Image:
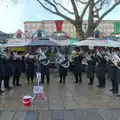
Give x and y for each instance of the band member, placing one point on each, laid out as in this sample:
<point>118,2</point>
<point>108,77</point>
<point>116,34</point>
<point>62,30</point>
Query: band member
<point>23,69</point>
<point>91,67</point>
<point>44,66</point>
<point>30,67</point>
<point>77,65</point>
<point>1,73</point>
<point>63,66</point>
<point>8,72</point>
<point>113,75</point>
<point>16,60</point>
<point>101,70</point>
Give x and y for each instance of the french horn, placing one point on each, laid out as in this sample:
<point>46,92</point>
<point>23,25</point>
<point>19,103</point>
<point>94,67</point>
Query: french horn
<point>62,60</point>
<point>42,57</point>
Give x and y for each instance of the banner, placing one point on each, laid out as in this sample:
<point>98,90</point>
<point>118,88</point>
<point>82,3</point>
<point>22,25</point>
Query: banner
<point>59,24</point>
<point>117,27</point>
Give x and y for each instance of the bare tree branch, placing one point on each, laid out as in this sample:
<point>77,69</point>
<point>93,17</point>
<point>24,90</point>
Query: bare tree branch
<point>85,9</point>
<point>82,1</point>
<point>75,9</point>
<point>56,11</point>
<point>108,11</point>
<point>63,7</point>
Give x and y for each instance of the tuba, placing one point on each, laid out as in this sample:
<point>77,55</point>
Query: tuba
<point>42,58</point>
<point>62,60</point>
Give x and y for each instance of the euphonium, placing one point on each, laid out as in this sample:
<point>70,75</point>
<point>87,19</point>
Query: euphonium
<point>42,58</point>
<point>115,59</point>
<point>62,60</point>
<point>88,57</point>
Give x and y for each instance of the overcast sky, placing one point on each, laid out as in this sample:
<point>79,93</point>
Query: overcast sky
<point>12,17</point>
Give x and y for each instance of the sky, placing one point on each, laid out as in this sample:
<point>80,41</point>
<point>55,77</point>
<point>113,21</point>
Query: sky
<point>13,16</point>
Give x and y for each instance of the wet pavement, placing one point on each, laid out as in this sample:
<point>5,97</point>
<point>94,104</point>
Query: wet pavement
<point>68,101</point>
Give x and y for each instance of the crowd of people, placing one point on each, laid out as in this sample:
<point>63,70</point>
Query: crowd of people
<point>14,65</point>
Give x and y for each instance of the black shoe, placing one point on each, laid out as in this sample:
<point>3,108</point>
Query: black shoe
<point>9,87</point>
<point>60,81</point>
<point>63,82</point>
<point>1,91</point>
<point>90,83</point>
<point>102,86</point>
<point>76,82</point>
<point>99,86</point>
<point>48,82</point>
<point>114,92</point>
<point>111,90</point>
<point>18,85</point>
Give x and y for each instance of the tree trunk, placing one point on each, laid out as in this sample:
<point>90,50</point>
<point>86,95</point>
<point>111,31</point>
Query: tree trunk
<point>79,31</point>
<point>91,25</point>
<point>90,31</point>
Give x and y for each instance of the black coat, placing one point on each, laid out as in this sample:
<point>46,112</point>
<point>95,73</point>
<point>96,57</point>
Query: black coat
<point>77,64</point>
<point>8,69</point>
<point>1,69</point>
<point>113,71</point>
<point>118,75</point>
<point>17,68</point>
<point>101,68</point>
<point>91,68</point>
<point>30,67</point>
<point>62,71</point>
<point>23,69</point>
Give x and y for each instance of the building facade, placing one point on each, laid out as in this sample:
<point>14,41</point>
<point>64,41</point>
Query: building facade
<point>49,26</point>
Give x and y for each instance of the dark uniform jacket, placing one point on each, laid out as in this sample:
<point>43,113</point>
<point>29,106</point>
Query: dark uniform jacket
<point>101,67</point>
<point>77,64</point>
<point>63,70</point>
<point>1,69</point>
<point>91,67</point>
<point>30,67</point>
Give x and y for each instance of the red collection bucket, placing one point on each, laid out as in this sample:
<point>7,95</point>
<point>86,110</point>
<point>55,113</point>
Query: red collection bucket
<point>27,100</point>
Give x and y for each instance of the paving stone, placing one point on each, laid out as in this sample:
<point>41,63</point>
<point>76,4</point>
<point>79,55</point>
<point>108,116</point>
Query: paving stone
<point>41,105</point>
<point>70,115</point>
<point>19,116</point>
<point>115,113</point>
<point>94,115</point>
<point>32,116</point>
<point>7,115</point>
<point>106,115</point>
<point>57,115</point>
<point>45,115</point>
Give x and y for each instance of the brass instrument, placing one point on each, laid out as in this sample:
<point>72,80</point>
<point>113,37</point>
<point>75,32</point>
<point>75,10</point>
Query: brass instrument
<point>62,60</point>
<point>42,57</point>
<point>16,56</point>
<point>88,56</point>
<point>115,59</point>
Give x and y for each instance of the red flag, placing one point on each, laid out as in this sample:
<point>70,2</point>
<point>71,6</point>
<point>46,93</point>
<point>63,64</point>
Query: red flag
<point>59,24</point>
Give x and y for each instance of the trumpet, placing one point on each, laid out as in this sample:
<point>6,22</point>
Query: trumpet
<point>42,58</point>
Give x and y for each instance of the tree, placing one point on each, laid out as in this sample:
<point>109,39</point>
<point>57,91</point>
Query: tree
<point>95,7</point>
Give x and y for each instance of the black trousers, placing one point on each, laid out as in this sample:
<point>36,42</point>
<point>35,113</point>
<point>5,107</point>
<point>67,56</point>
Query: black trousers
<point>114,85</point>
<point>43,76</point>
<point>91,80</point>
<point>0,84</point>
<point>102,81</point>
<point>16,80</point>
<point>6,82</point>
<point>30,77</point>
<point>62,78</point>
<point>78,77</point>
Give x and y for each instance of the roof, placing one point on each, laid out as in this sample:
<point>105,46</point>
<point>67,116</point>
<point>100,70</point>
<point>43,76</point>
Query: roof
<point>43,43</point>
<point>2,32</point>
